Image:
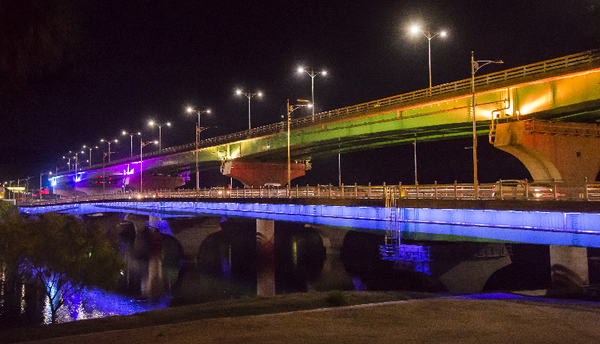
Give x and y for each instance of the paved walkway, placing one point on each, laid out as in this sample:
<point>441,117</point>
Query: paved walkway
<point>450,320</point>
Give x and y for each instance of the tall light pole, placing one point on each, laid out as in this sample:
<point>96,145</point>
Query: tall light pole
<point>475,66</point>
<point>290,109</point>
<point>109,142</point>
<point>131,135</point>
<point>76,157</point>
<point>248,95</point>
<point>142,145</point>
<point>415,29</point>
<point>90,148</point>
<point>312,75</point>
<point>159,125</point>
<point>198,131</point>
<point>68,162</point>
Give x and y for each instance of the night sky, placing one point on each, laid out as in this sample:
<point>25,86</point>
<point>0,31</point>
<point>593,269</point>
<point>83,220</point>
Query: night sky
<point>73,72</point>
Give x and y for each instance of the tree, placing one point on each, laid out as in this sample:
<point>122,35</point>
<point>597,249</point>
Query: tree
<point>62,255</point>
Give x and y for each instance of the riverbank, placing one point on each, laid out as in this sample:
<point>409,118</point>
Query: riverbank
<point>244,306</point>
<point>370,317</point>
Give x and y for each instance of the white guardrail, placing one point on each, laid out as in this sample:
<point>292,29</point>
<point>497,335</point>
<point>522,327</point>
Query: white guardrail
<point>501,190</point>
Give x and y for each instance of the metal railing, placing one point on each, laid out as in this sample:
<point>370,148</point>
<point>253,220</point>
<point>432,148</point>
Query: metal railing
<point>486,79</point>
<point>501,190</point>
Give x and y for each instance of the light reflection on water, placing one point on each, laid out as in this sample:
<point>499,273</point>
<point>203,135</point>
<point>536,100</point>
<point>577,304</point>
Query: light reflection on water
<point>228,266</point>
<point>92,303</point>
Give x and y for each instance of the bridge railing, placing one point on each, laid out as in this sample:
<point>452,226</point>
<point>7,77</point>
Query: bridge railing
<point>487,79</point>
<point>499,191</point>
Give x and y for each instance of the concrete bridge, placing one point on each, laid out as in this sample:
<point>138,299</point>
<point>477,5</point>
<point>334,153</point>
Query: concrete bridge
<point>513,108</point>
<point>191,217</point>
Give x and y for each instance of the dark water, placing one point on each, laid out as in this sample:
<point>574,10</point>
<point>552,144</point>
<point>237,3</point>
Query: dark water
<point>228,265</point>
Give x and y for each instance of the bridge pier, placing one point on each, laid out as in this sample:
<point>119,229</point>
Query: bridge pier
<point>553,151</point>
<point>569,268</point>
<point>265,264</point>
<point>471,274</point>
<point>191,233</point>
<point>333,274</point>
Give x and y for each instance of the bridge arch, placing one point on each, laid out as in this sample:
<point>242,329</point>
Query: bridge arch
<point>553,151</point>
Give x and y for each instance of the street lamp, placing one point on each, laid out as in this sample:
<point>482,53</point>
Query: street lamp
<point>90,148</point>
<point>249,96</point>
<point>131,135</point>
<point>142,145</point>
<point>475,66</point>
<point>415,29</point>
<point>198,131</point>
<point>76,157</point>
<point>68,162</point>
<point>290,109</point>
<point>312,75</point>
<point>159,125</point>
<point>109,142</point>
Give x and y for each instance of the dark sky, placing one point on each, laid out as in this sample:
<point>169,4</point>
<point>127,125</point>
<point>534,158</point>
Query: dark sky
<point>73,72</point>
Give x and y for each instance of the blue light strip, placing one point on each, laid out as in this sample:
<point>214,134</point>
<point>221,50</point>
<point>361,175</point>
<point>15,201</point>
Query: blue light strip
<point>549,228</point>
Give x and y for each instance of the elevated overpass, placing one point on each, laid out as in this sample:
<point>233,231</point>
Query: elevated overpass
<point>565,89</point>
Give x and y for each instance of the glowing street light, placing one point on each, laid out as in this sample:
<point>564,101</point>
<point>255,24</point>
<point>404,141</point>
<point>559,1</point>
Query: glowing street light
<point>131,135</point>
<point>198,131</point>
<point>90,148</point>
<point>415,29</point>
<point>76,157</point>
<point>249,96</point>
<point>290,109</point>
<point>68,162</point>
<point>475,66</point>
<point>109,142</point>
<point>159,125</point>
<point>312,75</point>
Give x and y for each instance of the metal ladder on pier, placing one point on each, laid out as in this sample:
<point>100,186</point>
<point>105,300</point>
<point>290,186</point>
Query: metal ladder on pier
<point>403,255</point>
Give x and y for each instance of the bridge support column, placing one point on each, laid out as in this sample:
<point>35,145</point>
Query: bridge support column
<point>141,247</point>
<point>333,275</point>
<point>191,233</point>
<point>257,174</point>
<point>471,274</point>
<point>553,151</point>
<point>569,268</point>
<point>265,265</point>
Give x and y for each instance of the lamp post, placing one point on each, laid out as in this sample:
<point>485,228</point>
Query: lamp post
<point>131,135</point>
<point>475,66</point>
<point>290,109</point>
<point>416,29</point>
<point>312,75</point>
<point>142,145</point>
<point>90,148</point>
<point>68,162</point>
<point>109,142</point>
<point>76,159</point>
<point>198,131</point>
<point>159,125</point>
<point>248,95</point>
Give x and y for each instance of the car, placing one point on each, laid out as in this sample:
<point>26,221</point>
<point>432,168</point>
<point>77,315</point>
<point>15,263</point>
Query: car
<point>509,188</point>
<point>516,189</point>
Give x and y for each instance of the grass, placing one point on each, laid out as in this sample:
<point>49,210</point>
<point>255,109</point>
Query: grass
<point>218,309</point>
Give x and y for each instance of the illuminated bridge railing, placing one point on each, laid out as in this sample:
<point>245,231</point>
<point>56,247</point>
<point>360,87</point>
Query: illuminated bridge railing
<point>487,79</point>
<point>506,190</point>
